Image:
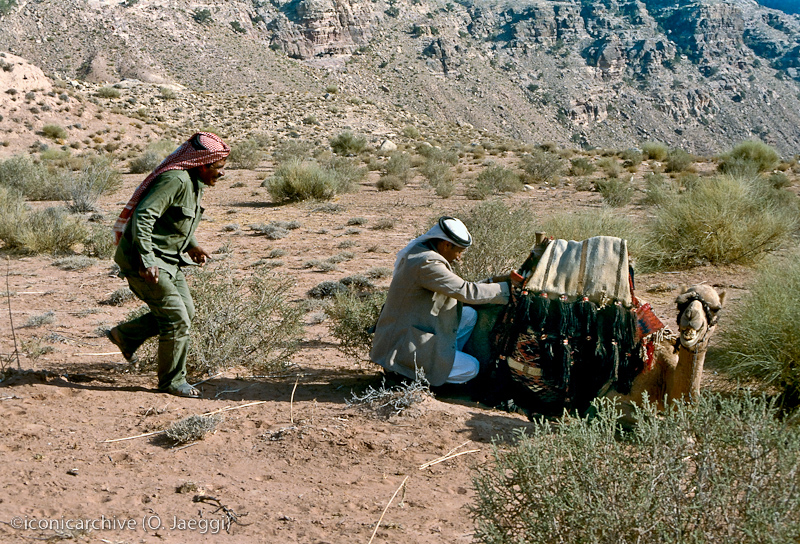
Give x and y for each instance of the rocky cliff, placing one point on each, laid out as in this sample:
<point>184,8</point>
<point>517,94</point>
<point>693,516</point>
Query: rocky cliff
<point>701,74</point>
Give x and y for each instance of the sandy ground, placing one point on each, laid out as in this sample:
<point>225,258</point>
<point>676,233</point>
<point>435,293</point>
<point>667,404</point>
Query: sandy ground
<point>300,465</point>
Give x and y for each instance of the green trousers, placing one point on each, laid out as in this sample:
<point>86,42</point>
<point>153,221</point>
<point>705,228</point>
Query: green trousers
<point>170,317</point>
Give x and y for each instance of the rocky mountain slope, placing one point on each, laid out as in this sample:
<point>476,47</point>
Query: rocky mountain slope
<point>700,74</point>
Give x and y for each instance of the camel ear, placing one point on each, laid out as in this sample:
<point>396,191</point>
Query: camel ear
<point>721,298</point>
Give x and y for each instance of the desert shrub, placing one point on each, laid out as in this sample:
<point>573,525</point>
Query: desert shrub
<point>724,470</point>
<point>631,158</point>
<point>760,341</point>
<point>385,402</point>
<point>54,132</point>
<point>721,220</point>
<point>13,213</point>
<point>192,428</point>
<point>678,160</point>
<point>346,143</point>
<point>389,182</point>
<point>36,321</point>
<point>748,157</point>
<point>292,149</point>
<point>34,180</point>
<point>493,180</point>
<point>347,175</point>
<point>152,157</point>
<point>99,242</point>
<point>439,176</point>
<point>242,322</point>
<point>5,8</point>
<point>108,92</point>
<point>610,166</point>
<point>411,132</point>
<point>399,164</point>
<point>297,180</point>
<point>541,166</point>
<point>202,16</point>
<point>502,239</point>
<point>50,230</point>
<point>74,262</point>
<point>658,189</point>
<point>352,314</point>
<point>96,178</point>
<point>245,155</point>
<point>585,224</point>
<point>655,151</point>
<point>616,191</point>
<point>779,180</point>
<point>581,167</point>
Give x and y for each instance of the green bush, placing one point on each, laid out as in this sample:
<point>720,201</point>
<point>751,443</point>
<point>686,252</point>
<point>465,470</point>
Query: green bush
<point>631,158</point>
<point>436,154</point>
<point>748,157</point>
<point>347,143</point>
<point>720,220</point>
<point>54,132</point>
<point>655,151</point>
<point>390,182</point>
<point>724,471</point>
<point>108,92</point>
<point>678,160</point>
<point>581,167</point>
<point>346,173</point>
<point>541,166</point>
<point>96,178</point>
<point>610,166</point>
<point>34,180</point>
<point>52,231</point>
<point>658,189</point>
<point>399,164</point>
<point>244,322</point>
<point>6,6</point>
<point>760,340</point>
<point>99,242</point>
<point>152,157</point>
<point>297,180</point>
<point>502,239</point>
<point>439,176</point>
<point>616,191</point>
<point>352,314</point>
<point>13,214</point>
<point>292,149</point>
<point>493,180</point>
<point>245,155</point>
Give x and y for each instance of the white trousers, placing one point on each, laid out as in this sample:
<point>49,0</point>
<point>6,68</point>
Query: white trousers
<point>465,366</point>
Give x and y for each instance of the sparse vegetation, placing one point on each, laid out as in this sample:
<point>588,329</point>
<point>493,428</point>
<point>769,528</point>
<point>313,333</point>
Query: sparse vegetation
<point>385,402</point>
<point>721,471</point>
<point>32,179</point>
<point>96,178</point>
<point>721,220</point>
<point>352,314</point>
<point>541,166</point>
<point>760,341</point>
<point>192,428</point>
<point>655,151</point>
<point>54,132</point>
<point>493,180</point>
<point>297,180</point>
<point>616,191</point>
<point>748,159</point>
<point>347,143</point>
<point>242,322</point>
<point>678,160</point>
<point>245,155</point>
<point>502,239</point>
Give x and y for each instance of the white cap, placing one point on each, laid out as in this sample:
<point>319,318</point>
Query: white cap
<point>456,231</point>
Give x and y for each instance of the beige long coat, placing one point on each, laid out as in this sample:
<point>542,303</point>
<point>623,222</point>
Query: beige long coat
<point>418,324</point>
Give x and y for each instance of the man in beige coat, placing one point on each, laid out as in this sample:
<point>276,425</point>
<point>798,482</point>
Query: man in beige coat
<point>424,323</point>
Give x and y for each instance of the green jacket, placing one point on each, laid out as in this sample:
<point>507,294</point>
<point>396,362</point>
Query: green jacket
<point>162,226</point>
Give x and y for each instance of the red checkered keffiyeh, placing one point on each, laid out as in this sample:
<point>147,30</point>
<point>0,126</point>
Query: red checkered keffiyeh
<point>202,148</point>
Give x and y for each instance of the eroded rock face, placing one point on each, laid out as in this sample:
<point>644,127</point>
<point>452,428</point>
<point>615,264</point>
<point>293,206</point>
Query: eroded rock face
<point>309,28</point>
<point>16,73</point>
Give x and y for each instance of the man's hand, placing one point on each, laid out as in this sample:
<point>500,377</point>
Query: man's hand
<point>149,275</point>
<point>198,255</point>
<point>512,278</point>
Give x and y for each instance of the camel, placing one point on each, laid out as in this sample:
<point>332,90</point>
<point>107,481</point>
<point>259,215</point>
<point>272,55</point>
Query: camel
<point>678,361</point>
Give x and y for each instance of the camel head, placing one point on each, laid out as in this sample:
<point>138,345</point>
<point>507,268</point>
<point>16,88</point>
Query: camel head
<point>698,307</point>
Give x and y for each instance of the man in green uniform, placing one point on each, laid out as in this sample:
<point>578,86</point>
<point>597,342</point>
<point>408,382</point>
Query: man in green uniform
<point>155,234</point>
